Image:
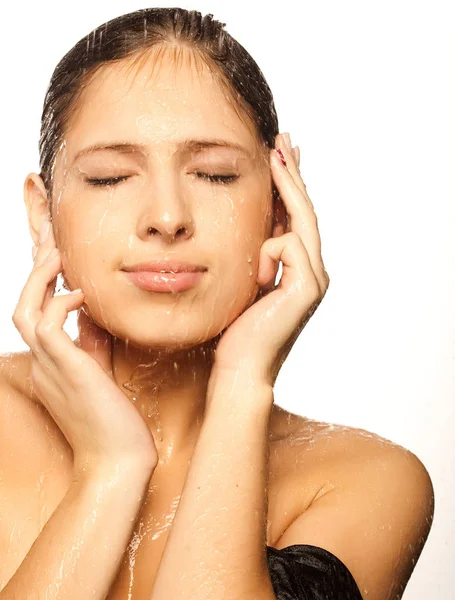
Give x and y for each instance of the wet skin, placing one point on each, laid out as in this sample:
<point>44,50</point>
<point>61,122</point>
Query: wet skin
<point>307,459</point>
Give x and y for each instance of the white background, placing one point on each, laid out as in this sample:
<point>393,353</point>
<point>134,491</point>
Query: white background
<point>364,90</point>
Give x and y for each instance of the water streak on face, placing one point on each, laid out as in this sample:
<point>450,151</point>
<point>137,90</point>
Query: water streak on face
<point>189,180</point>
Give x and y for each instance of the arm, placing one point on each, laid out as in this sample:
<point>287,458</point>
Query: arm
<point>79,550</point>
<point>375,517</point>
<point>217,544</point>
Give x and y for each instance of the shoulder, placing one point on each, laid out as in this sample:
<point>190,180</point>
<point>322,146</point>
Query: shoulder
<point>340,449</point>
<point>15,372</point>
<point>15,382</point>
<point>374,506</point>
<point>340,456</point>
<point>30,437</point>
<point>20,409</point>
<point>354,455</point>
<point>17,422</point>
<point>18,402</point>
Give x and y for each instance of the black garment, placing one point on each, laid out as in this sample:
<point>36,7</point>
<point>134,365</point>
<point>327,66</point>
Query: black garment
<point>304,572</point>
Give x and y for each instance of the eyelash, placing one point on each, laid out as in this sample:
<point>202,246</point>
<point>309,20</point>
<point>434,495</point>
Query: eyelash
<point>220,179</point>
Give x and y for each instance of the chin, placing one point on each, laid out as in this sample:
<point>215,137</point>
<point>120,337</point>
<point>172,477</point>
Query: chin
<point>163,338</point>
<point>167,324</point>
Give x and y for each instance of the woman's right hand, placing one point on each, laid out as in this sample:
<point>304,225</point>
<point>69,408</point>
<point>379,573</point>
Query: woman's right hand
<point>76,385</point>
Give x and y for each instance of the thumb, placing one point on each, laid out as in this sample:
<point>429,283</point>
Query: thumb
<point>95,340</point>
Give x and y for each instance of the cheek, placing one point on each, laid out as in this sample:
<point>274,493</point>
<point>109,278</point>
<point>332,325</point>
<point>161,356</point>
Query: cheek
<point>247,226</point>
<point>86,236</point>
<point>85,253</point>
<point>81,268</point>
<point>235,288</point>
<point>237,249</point>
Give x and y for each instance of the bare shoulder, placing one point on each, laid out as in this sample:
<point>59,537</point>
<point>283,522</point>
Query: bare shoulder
<point>15,371</point>
<point>30,437</point>
<point>333,443</point>
<point>19,406</point>
<point>15,391</point>
<point>373,504</point>
<point>34,462</point>
<point>318,456</point>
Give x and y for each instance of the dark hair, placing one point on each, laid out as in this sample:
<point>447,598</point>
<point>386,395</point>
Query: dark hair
<point>135,33</point>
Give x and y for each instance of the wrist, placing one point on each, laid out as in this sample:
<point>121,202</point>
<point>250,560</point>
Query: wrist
<point>236,389</point>
<point>112,468</point>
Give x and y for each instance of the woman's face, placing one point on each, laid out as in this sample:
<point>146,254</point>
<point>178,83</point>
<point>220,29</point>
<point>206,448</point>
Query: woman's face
<point>165,208</point>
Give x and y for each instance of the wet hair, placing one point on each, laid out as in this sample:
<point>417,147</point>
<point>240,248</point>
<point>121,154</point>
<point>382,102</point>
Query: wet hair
<point>131,36</point>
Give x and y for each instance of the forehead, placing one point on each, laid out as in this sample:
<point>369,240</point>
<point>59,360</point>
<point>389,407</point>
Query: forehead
<point>168,93</point>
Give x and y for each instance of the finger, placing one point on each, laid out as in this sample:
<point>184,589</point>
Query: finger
<point>291,162</point>
<point>294,156</point>
<point>29,308</point>
<point>49,294</point>
<point>297,154</point>
<point>298,291</point>
<point>292,165</point>
<point>46,243</point>
<point>270,285</point>
<point>50,335</point>
<point>42,252</point>
<point>292,196</point>
<point>303,219</point>
<point>95,340</point>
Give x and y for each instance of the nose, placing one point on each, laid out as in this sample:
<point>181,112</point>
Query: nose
<point>166,213</point>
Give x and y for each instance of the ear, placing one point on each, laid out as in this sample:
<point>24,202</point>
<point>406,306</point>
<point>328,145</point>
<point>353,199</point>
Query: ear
<point>280,220</point>
<point>36,203</point>
<point>279,227</point>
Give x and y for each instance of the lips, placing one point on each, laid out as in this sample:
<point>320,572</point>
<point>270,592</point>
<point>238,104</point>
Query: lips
<point>165,275</point>
<point>166,266</point>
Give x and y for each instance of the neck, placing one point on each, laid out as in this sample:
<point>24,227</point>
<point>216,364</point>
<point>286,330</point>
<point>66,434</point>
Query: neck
<point>168,388</point>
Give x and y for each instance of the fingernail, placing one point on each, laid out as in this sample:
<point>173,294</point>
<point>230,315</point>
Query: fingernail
<point>287,141</point>
<point>44,231</point>
<point>280,154</point>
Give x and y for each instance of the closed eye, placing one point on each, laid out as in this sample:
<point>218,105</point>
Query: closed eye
<point>106,182</point>
<point>218,178</point>
<point>111,181</point>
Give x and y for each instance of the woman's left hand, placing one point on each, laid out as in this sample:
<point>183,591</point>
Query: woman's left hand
<point>254,347</point>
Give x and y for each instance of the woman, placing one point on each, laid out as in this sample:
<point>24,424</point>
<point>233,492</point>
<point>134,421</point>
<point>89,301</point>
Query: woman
<point>171,473</point>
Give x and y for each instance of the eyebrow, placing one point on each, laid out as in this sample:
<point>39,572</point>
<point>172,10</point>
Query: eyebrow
<point>188,145</point>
